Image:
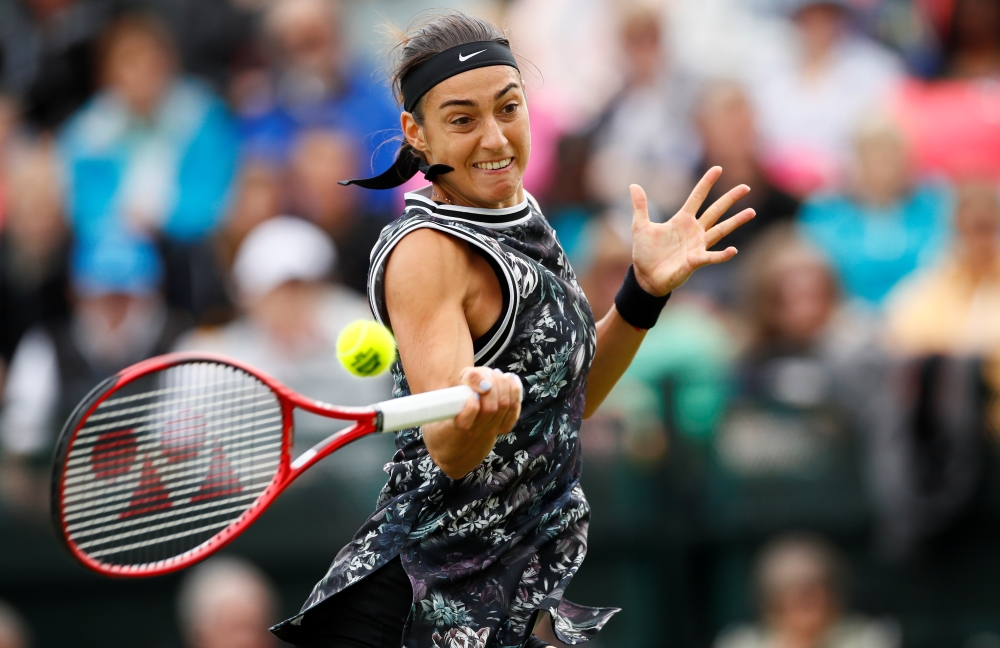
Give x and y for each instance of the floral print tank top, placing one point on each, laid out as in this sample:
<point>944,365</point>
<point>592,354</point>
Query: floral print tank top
<point>485,554</point>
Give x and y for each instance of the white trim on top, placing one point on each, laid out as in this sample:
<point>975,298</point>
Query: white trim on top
<point>423,194</point>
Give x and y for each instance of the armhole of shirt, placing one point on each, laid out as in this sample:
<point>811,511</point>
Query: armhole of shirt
<point>491,344</point>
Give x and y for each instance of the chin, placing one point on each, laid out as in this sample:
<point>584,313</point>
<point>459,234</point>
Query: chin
<point>501,192</point>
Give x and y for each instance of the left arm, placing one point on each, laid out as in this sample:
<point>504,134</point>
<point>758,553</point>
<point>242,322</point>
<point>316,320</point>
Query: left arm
<point>663,256</point>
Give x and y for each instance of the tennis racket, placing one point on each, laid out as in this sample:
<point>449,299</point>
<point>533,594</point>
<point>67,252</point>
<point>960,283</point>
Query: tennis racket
<point>172,458</point>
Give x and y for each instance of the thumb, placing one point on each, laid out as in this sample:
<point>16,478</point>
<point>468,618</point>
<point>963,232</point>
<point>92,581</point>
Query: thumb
<point>640,206</point>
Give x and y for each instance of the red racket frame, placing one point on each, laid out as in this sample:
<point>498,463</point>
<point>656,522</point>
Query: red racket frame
<point>365,418</point>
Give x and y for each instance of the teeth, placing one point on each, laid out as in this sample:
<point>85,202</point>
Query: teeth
<point>493,166</point>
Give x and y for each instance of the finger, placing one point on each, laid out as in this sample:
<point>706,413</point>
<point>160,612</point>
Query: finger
<point>488,404</point>
<point>712,258</point>
<point>700,191</point>
<point>504,395</point>
<point>514,412</point>
<point>477,379</point>
<point>518,387</point>
<point>640,206</point>
<point>467,417</point>
<point>722,205</point>
<point>480,379</point>
<point>728,226</point>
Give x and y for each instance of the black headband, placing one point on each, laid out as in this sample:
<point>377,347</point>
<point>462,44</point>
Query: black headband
<point>450,62</point>
<point>416,84</point>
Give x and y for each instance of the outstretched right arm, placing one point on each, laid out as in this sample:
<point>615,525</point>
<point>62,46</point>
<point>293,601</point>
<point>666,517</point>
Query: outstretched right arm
<point>439,295</point>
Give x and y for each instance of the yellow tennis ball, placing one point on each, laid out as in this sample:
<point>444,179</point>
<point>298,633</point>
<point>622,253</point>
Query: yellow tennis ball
<point>366,348</point>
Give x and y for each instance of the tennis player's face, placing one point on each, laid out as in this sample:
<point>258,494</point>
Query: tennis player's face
<point>477,123</point>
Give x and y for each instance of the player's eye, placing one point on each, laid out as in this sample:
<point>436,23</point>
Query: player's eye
<point>510,108</point>
<point>461,121</point>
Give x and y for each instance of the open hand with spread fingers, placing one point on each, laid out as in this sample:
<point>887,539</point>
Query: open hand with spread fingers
<point>665,254</point>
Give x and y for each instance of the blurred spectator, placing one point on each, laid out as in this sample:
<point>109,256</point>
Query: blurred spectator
<point>292,317</point>
<point>810,98</point>
<point>118,318</point>
<point>215,37</point>
<point>33,246</point>
<point>257,196</point>
<point>807,370</point>
<point>927,456</point>
<point>886,225</point>
<point>644,134</point>
<point>907,27</point>
<point>954,307</point>
<point>800,589</point>
<point>317,85</point>
<point>729,139</point>
<point>13,630</point>
<point>46,55</point>
<point>226,602</point>
<point>574,70</point>
<point>319,159</point>
<point>952,124</point>
<point>152,152</point>
<point>9,125</point>
<point>728,127</point>
<point>952,127</point>
<point>972,44</point>
<point>680,373</point>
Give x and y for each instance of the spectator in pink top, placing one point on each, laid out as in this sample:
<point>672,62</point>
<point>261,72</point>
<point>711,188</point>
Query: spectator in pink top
<point>952,123</point>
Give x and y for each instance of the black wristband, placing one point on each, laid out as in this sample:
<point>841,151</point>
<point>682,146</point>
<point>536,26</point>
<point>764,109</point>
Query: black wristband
<point>635,305</point>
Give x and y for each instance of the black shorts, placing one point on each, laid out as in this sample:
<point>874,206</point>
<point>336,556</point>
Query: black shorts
<point>369,614</point>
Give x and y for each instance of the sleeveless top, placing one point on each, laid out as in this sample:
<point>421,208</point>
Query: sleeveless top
<point>486,553</point>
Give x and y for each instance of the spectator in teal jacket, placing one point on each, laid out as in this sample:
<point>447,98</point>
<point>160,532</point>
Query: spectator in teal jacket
<point>886,225</point>
<point>153,153</point>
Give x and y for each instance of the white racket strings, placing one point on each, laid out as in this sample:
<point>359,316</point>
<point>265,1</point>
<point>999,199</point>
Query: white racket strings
<point>167,462</point>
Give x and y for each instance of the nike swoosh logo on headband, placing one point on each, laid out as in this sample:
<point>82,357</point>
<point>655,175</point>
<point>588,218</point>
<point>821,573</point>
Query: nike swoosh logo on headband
<point>463,59</point>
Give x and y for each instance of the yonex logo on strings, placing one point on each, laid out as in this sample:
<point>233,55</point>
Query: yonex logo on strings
<point>463,59</point>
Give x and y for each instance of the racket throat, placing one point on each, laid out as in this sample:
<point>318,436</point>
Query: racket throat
<point>335,441</point>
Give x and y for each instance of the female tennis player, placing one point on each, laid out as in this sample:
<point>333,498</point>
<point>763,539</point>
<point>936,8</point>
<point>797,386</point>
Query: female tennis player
<point>482,523</point>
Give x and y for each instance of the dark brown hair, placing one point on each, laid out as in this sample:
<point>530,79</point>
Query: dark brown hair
<point>432,36</point>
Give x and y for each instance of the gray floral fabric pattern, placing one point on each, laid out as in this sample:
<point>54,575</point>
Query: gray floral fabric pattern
<point>486,553</point>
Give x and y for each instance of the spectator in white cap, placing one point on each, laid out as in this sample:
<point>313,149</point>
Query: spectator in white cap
<point>291,316</point>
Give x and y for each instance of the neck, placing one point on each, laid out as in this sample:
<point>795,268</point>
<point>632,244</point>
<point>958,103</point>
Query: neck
<point>441,193</point>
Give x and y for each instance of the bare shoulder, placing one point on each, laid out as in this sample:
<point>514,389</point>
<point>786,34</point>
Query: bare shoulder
<point>429,263</point>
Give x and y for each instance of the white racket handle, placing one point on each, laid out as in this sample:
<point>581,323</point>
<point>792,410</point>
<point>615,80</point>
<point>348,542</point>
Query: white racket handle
<point>411,411</point>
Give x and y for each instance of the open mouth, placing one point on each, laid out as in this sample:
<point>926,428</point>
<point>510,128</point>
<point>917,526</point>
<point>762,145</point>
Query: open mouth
<point>494,166</point>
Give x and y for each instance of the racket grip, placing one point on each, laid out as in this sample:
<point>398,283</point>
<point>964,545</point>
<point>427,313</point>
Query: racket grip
<point>411,411</point>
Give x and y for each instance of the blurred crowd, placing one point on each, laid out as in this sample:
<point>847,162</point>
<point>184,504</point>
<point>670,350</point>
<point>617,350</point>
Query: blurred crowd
<point>168,180</point>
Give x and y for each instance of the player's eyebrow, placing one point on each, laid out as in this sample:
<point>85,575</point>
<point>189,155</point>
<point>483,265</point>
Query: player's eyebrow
<point>510,86</point>
<point>459,102</point>
<point>470,103</point>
